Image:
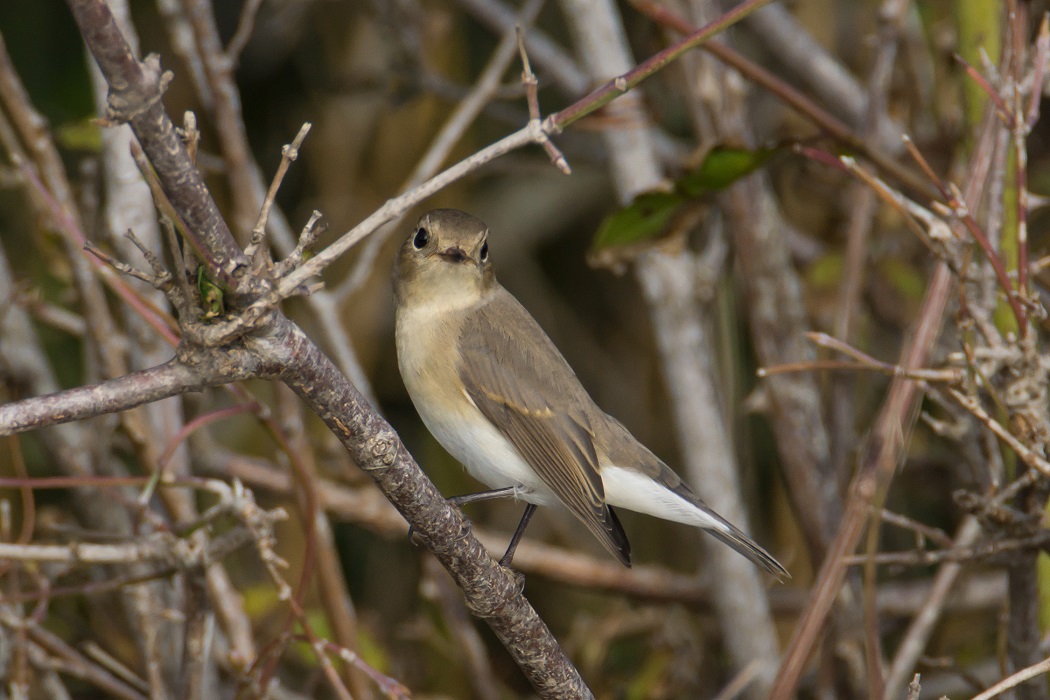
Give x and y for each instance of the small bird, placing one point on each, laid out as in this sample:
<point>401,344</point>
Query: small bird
<point>499,397</point>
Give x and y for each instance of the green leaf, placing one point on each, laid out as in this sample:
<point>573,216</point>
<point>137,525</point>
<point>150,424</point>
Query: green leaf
<point>722,167</point>
<point>211,295</point>
<point>657,217</point>
<point>643,220</point>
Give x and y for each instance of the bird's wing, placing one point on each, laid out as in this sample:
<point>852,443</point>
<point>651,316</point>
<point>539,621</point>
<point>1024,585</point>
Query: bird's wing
<point>533,398</point>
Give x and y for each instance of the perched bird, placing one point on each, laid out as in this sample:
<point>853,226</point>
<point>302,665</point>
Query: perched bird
<point>495,392</point>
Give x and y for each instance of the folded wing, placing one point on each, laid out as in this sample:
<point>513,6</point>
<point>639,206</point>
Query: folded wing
<point>535,400</point>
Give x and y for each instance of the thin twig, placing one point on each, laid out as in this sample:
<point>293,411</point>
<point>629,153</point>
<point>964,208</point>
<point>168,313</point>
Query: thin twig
<point>790,96</point>
<point>289,154</point>
<point>528,79</point>
<point>450,133</point>
<point>1028,456</point>
<point>531,133</point>
<point>1015,680</point>
<point>914,641</point>
<point>608,92</point>
<point>960,209</point>
<point>245,25</point>
<point>120,266</point>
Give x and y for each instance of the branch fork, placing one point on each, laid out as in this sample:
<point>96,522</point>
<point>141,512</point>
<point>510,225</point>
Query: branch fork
<point>133,99</point>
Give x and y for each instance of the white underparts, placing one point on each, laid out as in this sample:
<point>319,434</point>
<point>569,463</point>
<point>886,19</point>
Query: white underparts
<point>635,491</point>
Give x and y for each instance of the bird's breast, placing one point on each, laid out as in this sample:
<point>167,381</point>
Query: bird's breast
<point>428,358</point>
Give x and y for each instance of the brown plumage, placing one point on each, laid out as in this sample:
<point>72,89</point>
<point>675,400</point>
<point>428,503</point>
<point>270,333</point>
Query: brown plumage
<point>497,394</point>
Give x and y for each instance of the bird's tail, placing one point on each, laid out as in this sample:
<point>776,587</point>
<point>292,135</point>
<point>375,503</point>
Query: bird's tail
<point>650,486</point>
<point>747,546</point>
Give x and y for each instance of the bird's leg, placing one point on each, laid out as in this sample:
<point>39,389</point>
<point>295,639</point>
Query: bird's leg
<point>526,516</point>
<point>460,501</point>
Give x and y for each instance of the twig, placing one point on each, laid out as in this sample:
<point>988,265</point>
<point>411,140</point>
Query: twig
<point>136,99</point>
<point>450,133</point>
<point>531,133</point>
<point>242,172</point>
<point>558,64</point>
<point>1042,55</point>
<point>390,687</point>
<point>1028,456</point>
<point>528,79</point>
<point>1002,111</point>
<point>313,229</point>
<point>1025,674</point>
<point>914,688</point>
<point>958,553</point>
<point>243,34</point>
<point>598,98</point>
<point>197,423</point>
<point>960,209</point>
<point>114,395</point>
<point>80,667</point>
<point>740,682</point>
<point>289,154</point>
<point>122,267</point>
<point>921,530</point>
<point>790,96</point>
<point>950,375</point>
<point>921,627</point>
<point>52,315</point>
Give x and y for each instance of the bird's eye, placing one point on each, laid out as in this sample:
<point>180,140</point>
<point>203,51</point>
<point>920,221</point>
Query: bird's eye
<point>421,239</point>
<point>484,251</point>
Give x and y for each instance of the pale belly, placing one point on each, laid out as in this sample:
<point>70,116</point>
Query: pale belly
<point>486,454</point>
<point>452,418</point>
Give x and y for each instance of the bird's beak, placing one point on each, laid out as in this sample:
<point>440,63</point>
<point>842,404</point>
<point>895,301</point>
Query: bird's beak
<point>453,255</point>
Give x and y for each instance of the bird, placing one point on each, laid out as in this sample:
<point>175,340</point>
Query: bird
<point>492,388</point>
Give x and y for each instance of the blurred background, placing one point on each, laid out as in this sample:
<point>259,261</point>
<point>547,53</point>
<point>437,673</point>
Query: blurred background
<point>378,80</point>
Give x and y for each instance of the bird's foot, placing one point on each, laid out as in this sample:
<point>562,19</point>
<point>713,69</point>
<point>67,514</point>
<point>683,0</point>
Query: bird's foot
<point>519,578</point>
<point>413,536</point>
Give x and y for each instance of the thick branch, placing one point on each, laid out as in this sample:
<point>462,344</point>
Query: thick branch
<point>492,592</point>
<point>135,96</point>
<point>115,395</point>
